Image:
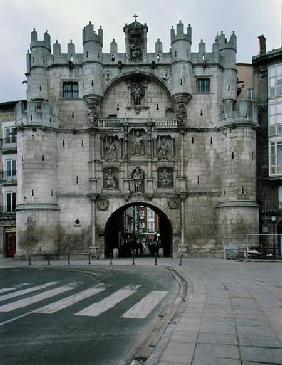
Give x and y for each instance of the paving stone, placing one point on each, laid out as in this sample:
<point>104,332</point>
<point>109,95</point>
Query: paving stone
<point>260,341</point>
<point>177,352</point>
<point>215,338</point>
<point>212,354</point>
<point>255,331</point>
<point>261,354</point>
<point>219,328</point>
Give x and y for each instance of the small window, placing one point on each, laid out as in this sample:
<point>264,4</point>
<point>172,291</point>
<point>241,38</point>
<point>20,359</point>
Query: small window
<point>11,170</point>
<point>10,135</point>
<point>11,202</point>
<point>203,85</point>
<point>70,90</point>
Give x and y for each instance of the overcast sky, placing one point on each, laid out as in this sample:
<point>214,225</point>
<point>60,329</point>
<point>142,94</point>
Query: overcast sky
<point>64,20</point>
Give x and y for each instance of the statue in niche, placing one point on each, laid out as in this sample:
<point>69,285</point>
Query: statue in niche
<point>137,92</point>
<point>135,51</point>
<point>110,180</point>
<point>163,148</point>
<point>139,147</point>
<point>165,178</point>
<point>138,177</point>
<point>111,149</point>
<point>137,142</point>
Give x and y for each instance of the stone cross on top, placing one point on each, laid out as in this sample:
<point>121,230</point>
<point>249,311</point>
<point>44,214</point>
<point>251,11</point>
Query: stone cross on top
<point>135,16</point>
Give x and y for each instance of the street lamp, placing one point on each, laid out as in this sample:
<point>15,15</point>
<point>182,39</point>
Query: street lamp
<point>273,219</point>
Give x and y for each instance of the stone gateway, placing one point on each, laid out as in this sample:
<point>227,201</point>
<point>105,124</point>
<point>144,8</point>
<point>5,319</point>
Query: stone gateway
<point>106,131</point>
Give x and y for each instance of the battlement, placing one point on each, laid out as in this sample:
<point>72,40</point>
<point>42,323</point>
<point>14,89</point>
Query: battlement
<point>45,43</point>
<point>89,34</point>
<point>180,35</point>
<point>223,43</point>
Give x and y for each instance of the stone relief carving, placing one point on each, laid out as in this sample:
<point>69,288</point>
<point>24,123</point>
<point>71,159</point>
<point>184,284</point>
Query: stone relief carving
<point>103,204</point>
<point>137,142</point>
<point>110,178</point>
<point>111,148</point>
<point>180,102</point>
<point>164,147</point>
<point>173,203</point>
<point>165,177</point>
<point>93,104</point>
<point>138,177</point>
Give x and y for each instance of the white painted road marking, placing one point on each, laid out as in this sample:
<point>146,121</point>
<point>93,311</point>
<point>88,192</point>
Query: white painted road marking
<point>4,290</point>
<point>25,291</point>
<point>35,298</point>
<point>68,301</point>
<point>145,305</point>
<point>109,302</point>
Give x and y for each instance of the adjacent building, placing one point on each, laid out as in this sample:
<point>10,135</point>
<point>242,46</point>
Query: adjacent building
<point>8,187</point>
<point>268,96</point>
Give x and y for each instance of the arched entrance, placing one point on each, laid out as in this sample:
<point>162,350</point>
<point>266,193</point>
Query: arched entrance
<point>139,227</point>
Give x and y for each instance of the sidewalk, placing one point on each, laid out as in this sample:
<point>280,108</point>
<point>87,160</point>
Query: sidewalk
<point>232,314</point>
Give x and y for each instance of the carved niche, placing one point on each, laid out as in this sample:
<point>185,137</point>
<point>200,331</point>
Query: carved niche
<point>137,93</point>
<point>165,177</point>
<point>164,147</point>
<point>137,142</point>
<point>136,33</point>
<point>110,178</point>
<point>111,148</point>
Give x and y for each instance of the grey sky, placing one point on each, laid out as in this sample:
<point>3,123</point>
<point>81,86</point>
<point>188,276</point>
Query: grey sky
<point>64,20</point>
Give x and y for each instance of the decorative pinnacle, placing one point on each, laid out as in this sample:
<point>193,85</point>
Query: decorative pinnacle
<point>135,16</point>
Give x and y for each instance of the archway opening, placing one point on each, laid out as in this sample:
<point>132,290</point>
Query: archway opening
<point>138,228</point>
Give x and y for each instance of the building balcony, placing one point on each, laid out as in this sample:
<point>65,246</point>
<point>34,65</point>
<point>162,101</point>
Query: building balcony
<point>119,122</point>
<point>8,177</point>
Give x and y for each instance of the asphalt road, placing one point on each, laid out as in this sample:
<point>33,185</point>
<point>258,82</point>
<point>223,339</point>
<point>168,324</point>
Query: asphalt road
<point>73,316</point>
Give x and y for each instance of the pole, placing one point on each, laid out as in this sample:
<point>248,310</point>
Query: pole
<point>49,260</point>
<point>89,258</point>
<point>156,259</point>
<point>29,258</point>
<point>180,261</point>
<point>111,258</point>
<point>69,255</point>
<point>133,261</point>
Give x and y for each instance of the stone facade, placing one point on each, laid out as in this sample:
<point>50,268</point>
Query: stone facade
<point>163,129</point>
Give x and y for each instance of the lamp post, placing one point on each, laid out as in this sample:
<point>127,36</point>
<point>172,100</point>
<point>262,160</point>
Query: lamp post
<point>273,219</point>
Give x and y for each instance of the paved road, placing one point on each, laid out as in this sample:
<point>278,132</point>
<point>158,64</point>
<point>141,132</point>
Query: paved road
<point>232,314</point>
<point>71,316</point>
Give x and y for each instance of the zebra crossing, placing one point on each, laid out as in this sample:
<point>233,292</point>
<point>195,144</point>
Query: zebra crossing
<point>16,298</point>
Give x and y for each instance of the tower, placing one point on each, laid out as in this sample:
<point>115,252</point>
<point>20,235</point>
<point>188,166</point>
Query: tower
<point>37,210</point>
<point>92,67</point>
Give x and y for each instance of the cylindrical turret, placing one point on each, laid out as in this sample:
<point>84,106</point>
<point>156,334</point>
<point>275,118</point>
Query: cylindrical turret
<point>158,47</point>
<point>56,49</point>
<point>71,50</point>
<point>113,47</point>
<point>92,66</point>
<point>37,209</point>
<point>181,68</point>
<point>37,78</point>
<point>227,52</point>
